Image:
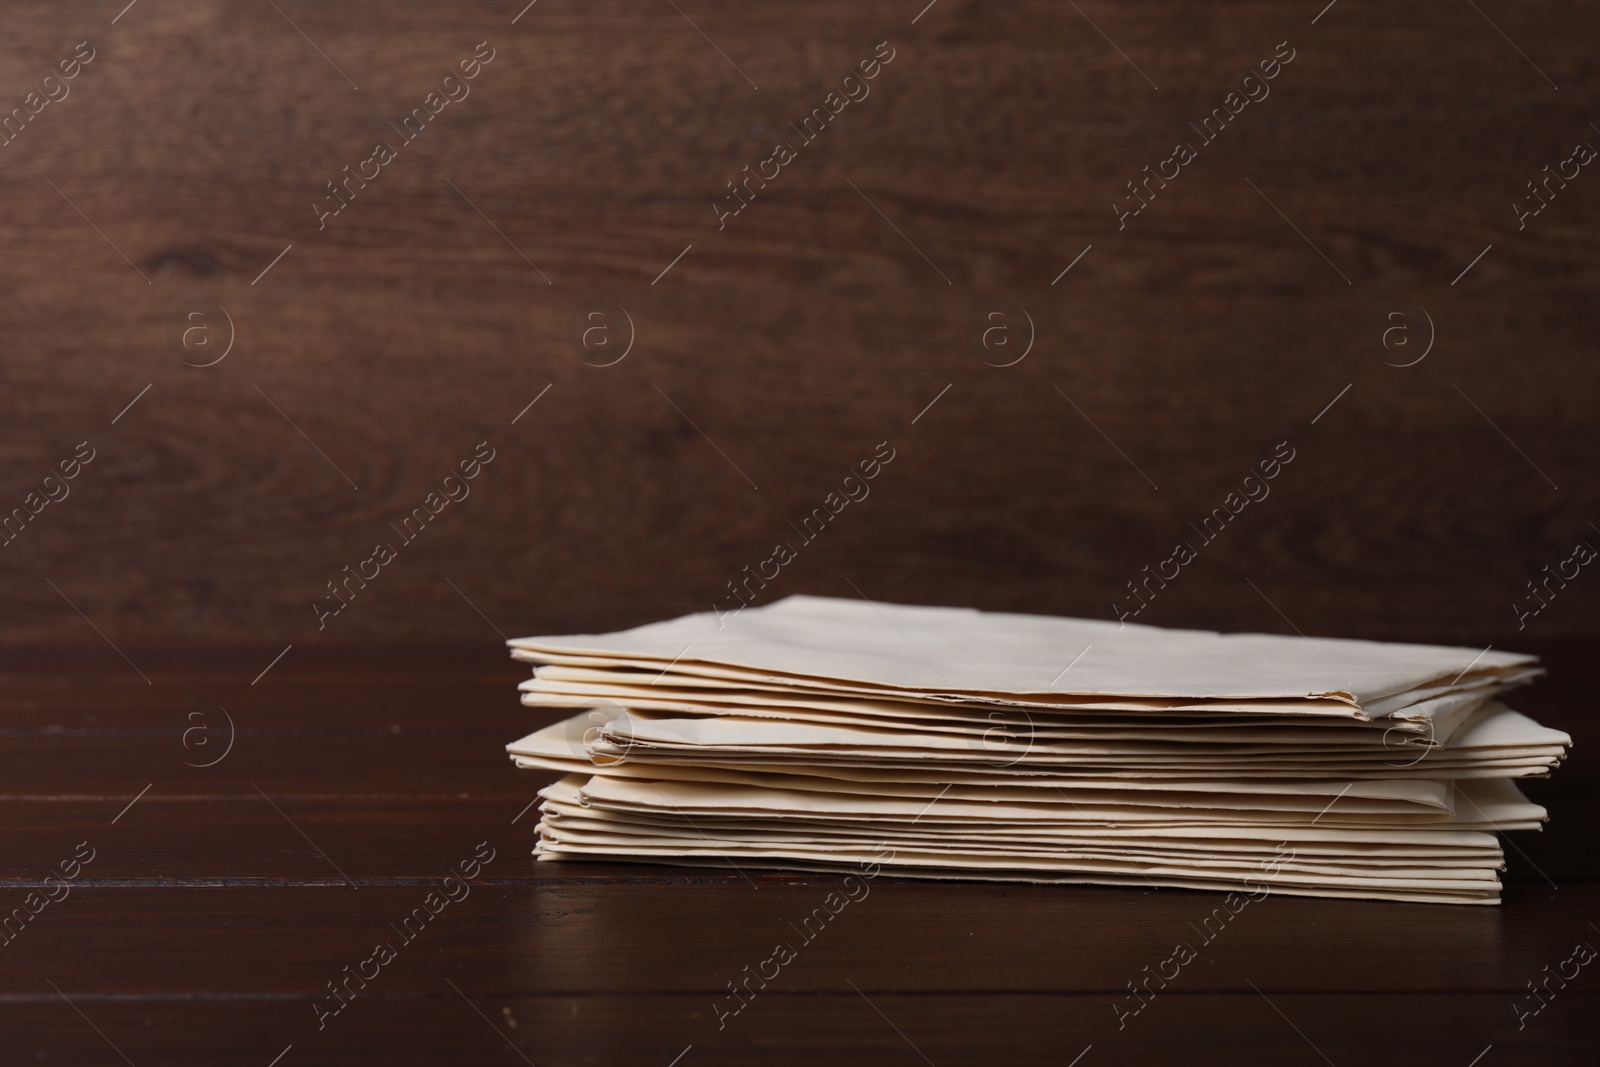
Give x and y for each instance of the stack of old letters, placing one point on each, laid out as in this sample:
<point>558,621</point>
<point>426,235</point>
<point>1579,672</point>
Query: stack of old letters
<point>817,733</point>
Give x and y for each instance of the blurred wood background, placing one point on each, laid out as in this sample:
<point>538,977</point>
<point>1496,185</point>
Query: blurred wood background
<point>824,319</point>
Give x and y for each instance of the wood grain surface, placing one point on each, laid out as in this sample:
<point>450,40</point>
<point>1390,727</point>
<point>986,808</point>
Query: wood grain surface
<point>847,295</point>
<point>220,900</point>
<point>251,393</point>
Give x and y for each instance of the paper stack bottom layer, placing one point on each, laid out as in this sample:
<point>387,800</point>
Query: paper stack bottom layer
<point>823,734</point>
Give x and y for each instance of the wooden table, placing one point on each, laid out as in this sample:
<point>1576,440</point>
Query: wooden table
<point>221,901</point>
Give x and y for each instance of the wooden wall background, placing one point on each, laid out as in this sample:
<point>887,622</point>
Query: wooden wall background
<point>809,330</point>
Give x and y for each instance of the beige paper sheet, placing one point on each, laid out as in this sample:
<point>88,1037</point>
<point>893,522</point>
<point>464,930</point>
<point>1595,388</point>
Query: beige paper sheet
<point>956,651</point>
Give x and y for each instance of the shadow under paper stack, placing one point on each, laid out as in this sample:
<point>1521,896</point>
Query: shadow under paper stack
<point>817,733</point>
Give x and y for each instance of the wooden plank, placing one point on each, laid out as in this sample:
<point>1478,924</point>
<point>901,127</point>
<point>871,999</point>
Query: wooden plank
<point>619,938</point>
<point>804,332</point>
<point>787,1029</point>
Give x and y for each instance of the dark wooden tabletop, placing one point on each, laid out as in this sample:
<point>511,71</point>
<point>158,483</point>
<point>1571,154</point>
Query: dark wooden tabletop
<point>222,900</point>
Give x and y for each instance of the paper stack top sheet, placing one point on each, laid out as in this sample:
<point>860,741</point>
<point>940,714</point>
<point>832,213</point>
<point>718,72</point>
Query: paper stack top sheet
<point>1041,748</point>
<point>994,654</point>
